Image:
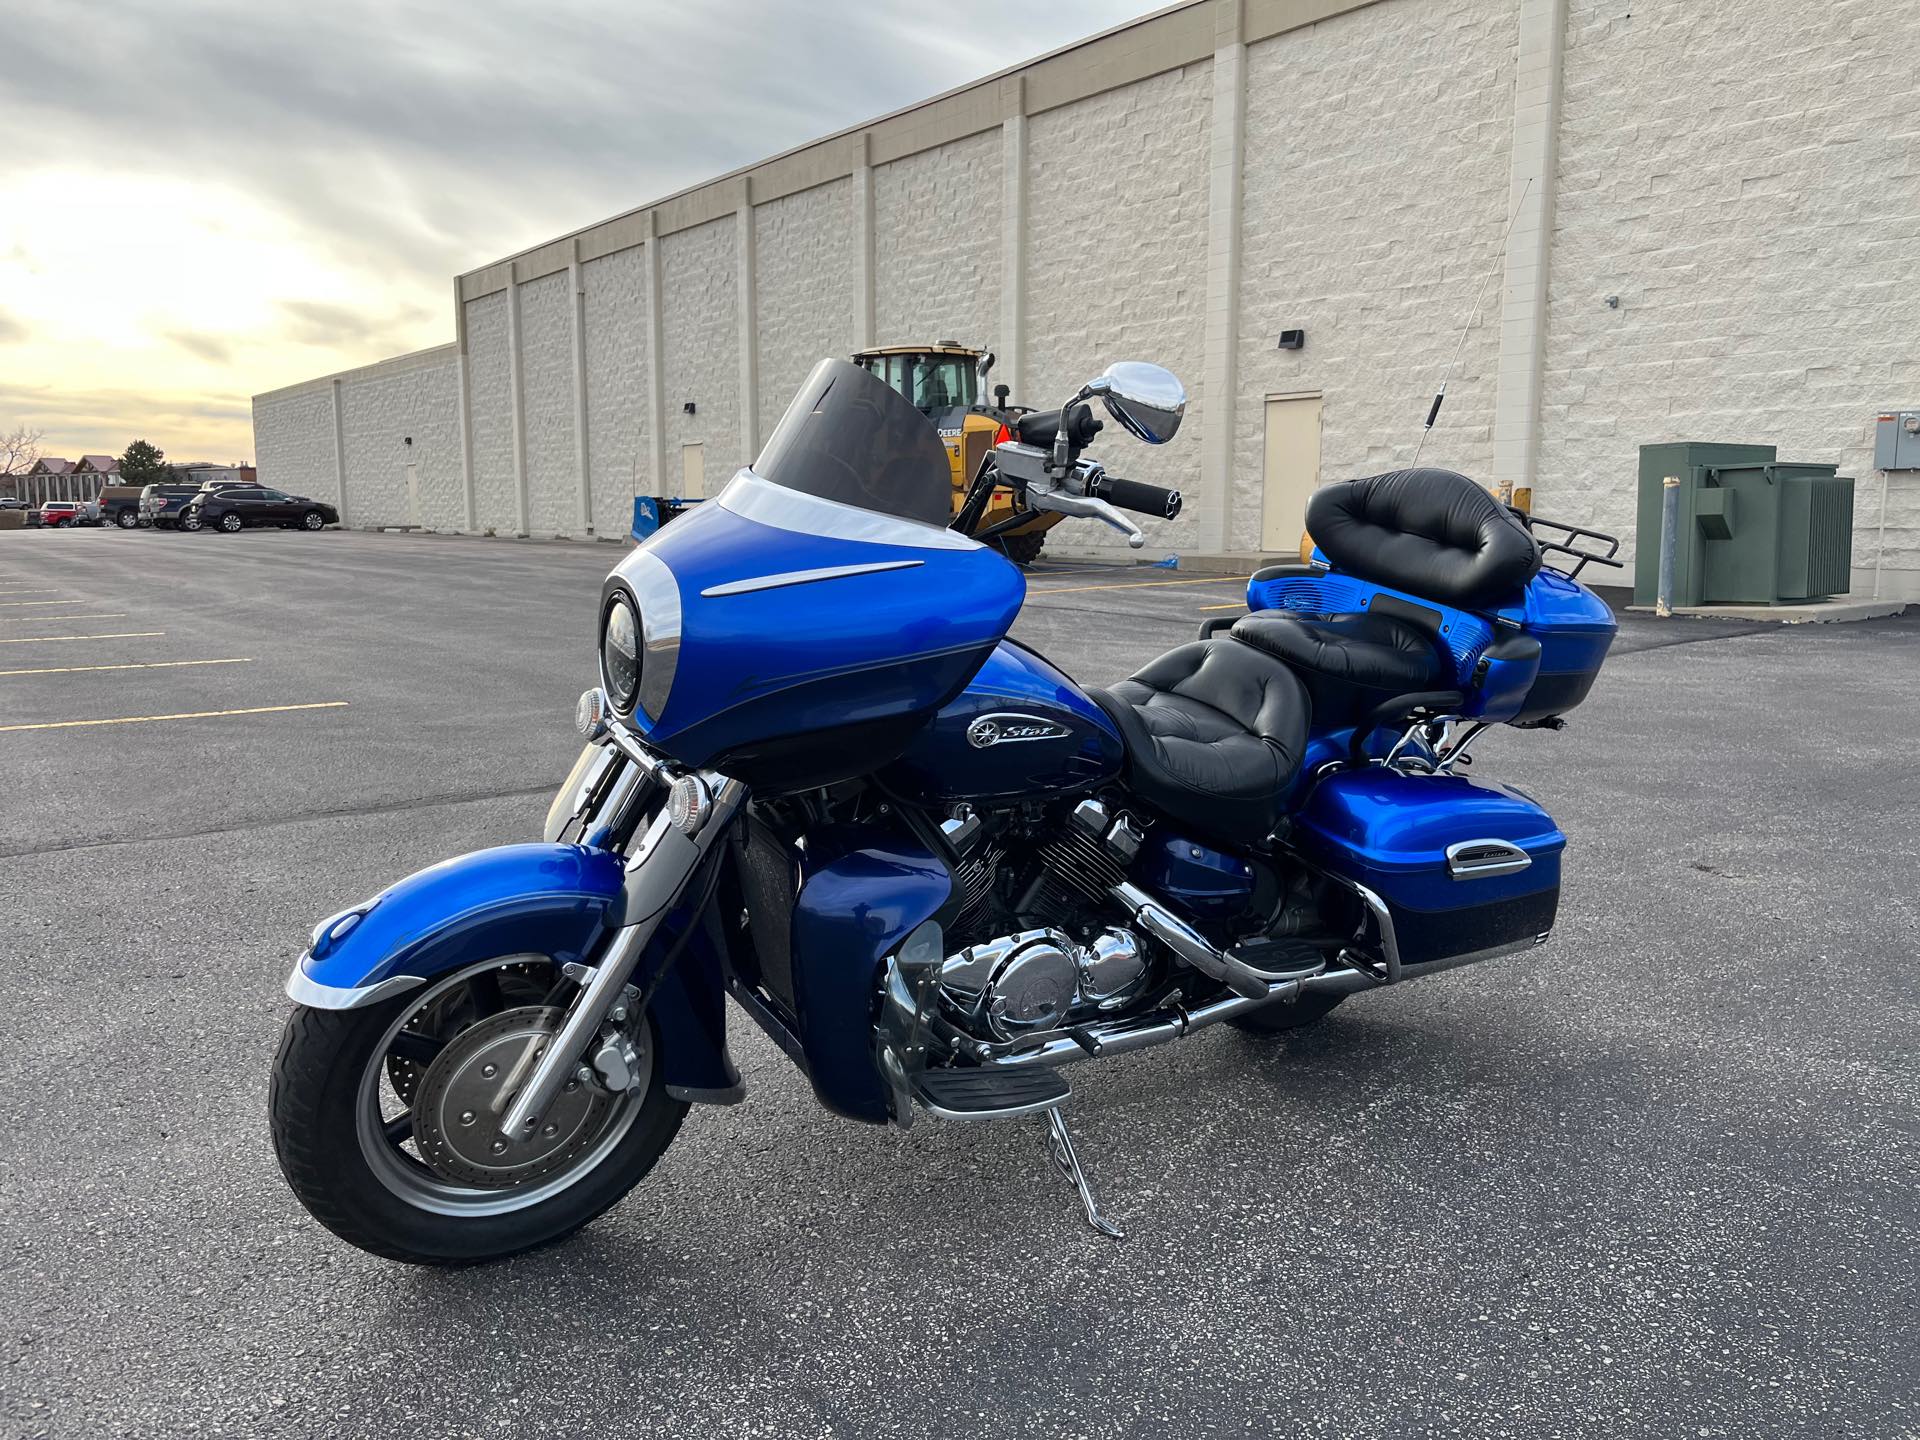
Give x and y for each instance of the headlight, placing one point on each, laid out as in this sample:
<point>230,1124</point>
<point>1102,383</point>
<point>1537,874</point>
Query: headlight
<point>620,654</point>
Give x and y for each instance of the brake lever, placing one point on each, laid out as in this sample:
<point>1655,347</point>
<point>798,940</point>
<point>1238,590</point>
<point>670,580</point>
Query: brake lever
<point>1092,509</point>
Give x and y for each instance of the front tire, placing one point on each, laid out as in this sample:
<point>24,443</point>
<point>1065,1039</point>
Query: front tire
<point>313,520</point>
<point>231,523</point>
<point>128,520</point>
<point>391,1203</point>
<point>1023,550</point>
<point>190,522</point>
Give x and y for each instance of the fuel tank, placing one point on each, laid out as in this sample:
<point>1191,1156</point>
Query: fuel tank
<point>1021,727</point>
<point>792,641</point>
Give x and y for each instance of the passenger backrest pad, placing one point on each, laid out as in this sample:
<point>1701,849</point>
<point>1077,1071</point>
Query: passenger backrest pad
<point>1428,532</point>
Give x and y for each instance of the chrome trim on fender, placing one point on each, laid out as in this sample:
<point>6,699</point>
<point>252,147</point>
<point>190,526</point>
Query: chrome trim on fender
<point>302,989</point>
<point>805,577</point>
<point>753,498</point>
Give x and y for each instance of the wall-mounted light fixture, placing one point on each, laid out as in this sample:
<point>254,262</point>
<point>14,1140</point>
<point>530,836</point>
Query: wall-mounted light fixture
<point>408,441</point>
<point>1613,302</point>
<point>1293,339</point>
<point>688,407</point>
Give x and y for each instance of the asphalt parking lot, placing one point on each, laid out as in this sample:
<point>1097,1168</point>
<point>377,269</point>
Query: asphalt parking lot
<point>1654,1179</point>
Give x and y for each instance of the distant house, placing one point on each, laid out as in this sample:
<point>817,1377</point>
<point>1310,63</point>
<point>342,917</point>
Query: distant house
<point>53,478</point>
<point>103,465</point>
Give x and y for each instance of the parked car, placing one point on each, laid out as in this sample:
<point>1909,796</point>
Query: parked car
<point>120,505</point>
<point>160,505</point>
<point>241,507</point>
<point>13,502</point>
<point>60,514</point>
<point>231,485</point>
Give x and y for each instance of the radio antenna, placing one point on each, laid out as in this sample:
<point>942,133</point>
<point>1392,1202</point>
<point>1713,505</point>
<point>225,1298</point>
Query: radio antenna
<point>1499,258</point>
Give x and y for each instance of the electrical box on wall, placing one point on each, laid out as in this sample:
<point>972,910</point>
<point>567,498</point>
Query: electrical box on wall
<point>1896,440</point>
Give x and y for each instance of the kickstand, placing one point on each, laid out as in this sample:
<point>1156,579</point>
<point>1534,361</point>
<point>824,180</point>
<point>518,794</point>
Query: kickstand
<point>1060,1147</point>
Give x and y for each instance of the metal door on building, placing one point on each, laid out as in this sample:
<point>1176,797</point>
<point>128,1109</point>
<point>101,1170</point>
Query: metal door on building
<point>693,472</point>
<point>1292,471</point>
<point>413,494</point>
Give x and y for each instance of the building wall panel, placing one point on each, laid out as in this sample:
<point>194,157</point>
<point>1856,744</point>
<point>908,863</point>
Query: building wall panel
<point>700,363</point>
<point>490,401</point>
<point>804,279</point>
<point>936,229</point>
<point>617,419</point>
<point>546,377</point>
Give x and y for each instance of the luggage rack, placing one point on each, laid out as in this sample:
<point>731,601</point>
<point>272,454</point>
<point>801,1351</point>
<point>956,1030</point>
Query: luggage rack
<point>1570,543</point>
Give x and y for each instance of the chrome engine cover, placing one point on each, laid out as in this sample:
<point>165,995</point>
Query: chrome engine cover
<point>1032,981</point>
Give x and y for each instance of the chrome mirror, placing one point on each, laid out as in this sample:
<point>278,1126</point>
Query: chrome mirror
<point>1146,399</point>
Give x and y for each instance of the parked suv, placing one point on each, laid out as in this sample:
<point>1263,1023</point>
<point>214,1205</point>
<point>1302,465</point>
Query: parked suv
<point>240,507</point>
<point>160,505</point>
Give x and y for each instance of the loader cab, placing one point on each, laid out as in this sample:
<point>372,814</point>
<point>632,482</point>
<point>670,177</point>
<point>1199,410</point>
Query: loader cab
<point>941,381</point>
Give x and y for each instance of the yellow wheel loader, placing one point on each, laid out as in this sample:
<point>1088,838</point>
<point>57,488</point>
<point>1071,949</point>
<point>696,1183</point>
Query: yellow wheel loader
<point>944,382</point>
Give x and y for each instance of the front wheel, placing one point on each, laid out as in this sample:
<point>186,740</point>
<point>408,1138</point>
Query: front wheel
<point>128,520</point>
<point>230,522</point>
<point>313,520</point>
<point>190,522</point>
<point>382,1120</point>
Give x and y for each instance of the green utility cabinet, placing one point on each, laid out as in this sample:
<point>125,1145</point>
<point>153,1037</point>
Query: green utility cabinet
<point>1750,530</point>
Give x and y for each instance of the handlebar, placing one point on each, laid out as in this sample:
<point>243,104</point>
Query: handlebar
<point>1152,500</point>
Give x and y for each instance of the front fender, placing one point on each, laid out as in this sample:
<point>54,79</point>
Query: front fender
<point>554,900</point>
<point>516,899</point>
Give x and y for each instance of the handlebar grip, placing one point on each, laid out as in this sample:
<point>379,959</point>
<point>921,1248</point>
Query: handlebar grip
<point>1133,495</point>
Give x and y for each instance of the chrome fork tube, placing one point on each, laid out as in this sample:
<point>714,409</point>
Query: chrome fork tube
<point>657,871</point>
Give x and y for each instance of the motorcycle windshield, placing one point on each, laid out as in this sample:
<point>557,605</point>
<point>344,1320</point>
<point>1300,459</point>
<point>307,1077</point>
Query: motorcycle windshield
<point>850,438</point>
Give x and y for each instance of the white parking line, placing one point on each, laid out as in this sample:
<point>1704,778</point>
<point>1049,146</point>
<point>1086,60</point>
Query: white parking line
<point>134,665</point>
<point>184,715</point>
<point>54,639</point>
<point>43,619</point>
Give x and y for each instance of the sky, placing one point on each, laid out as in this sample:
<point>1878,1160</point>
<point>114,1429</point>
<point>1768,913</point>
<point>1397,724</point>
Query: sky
<point>206,199</point>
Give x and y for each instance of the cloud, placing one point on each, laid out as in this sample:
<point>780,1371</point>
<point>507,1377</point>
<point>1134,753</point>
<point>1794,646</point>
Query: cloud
<point>368,152</point>
<point>342,327</point>
<point>11,330</point>
<point>210,348</point>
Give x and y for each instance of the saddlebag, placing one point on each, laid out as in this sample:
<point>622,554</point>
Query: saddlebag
<point>1461,866</point>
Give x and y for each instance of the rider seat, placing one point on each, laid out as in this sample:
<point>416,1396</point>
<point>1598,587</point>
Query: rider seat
<point>1215,733</point>
<point>1352,662</point>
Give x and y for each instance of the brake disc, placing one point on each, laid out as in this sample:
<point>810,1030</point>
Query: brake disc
<point>455,1122</point>
<point>526,983</point>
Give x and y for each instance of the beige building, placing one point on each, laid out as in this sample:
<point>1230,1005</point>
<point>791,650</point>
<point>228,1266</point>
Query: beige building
<point>1694,219</point>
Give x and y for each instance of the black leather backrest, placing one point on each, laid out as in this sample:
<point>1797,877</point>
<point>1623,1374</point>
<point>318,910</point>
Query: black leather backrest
<point>1431,533</point>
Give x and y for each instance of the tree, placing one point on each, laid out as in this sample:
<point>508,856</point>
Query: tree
<point>19,450</point>
<point>144,464</point>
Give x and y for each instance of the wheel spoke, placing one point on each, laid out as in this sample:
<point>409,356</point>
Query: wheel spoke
<point>412,1045</point>
<point>398,1130</point>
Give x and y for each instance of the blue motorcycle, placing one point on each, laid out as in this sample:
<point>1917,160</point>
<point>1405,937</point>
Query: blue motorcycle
<point>820,779</point>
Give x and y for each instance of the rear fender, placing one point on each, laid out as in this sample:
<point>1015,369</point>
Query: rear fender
<point>554,900</point>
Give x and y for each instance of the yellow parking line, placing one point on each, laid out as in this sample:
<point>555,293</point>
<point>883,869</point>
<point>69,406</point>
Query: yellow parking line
<point>46,639</point>
<point>184,715</point>
<point>135,665</point>
<point>1137,585</point>
<point>1236,605</point>
<point>42,619</point>
<point>24,604</point>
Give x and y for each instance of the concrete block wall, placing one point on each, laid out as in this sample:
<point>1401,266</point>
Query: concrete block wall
<point>1375,198</point>
<point>804,294</point>
<point>1745,177</point>
<point>1743,174</point>
<point>937,252</point>
<point>700,359</point>
<point>546,380</point>
<point>384,406</point>
<point>618,422</point>
<point>293,440</point>
<point>490,408</point>
<point>1116,268</point>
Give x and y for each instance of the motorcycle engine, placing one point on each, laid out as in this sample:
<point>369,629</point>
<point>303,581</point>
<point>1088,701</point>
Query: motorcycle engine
<point>1019,984</point>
